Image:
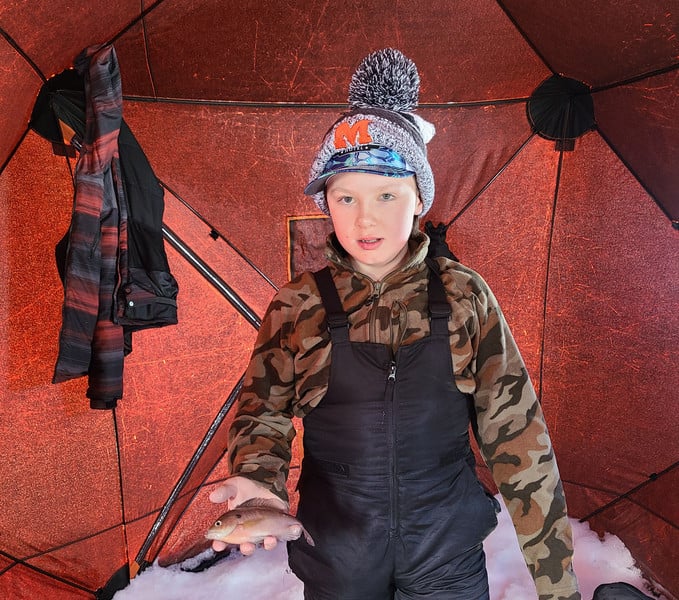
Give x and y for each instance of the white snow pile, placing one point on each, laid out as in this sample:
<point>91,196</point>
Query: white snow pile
<point>265,575</point>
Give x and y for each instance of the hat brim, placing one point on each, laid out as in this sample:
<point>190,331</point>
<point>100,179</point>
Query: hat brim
<point>318,184</point>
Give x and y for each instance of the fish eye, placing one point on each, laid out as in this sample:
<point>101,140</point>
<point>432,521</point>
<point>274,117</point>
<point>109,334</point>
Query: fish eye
<point>238,515</point>
<point>218,523</point>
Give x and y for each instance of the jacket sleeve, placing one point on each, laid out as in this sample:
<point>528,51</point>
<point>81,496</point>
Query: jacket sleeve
<point>515,443</point>
<point>262,432</point>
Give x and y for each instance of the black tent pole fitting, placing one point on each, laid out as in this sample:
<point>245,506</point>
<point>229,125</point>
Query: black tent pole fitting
<point>561,109</point>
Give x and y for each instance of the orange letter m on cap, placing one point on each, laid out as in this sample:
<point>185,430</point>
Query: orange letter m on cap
<point>347,135</point>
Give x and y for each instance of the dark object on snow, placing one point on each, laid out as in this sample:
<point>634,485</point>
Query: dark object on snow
<point>618,591</point>
<point>212,559</point>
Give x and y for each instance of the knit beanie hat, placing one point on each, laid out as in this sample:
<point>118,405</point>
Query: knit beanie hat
<point>380,133</point>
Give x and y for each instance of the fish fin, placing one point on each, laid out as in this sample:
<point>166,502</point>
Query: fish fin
<point>261,503</point>
<point>308,538</point>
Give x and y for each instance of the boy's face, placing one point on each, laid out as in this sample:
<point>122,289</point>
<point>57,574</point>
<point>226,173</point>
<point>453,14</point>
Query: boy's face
<point>373,217</point>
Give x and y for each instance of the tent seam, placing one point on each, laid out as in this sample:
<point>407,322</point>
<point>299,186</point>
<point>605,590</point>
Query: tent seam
<point>13,43</point>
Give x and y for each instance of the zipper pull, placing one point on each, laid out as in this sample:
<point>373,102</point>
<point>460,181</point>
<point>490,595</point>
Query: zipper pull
<point>392,371</point>
<point>375,295</point>
<point>370,300</point>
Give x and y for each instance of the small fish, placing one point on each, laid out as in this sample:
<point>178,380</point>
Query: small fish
<point>254,520</point>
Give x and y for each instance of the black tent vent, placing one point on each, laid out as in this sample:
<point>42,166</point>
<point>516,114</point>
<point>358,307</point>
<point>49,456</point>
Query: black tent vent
<point>561,109</point>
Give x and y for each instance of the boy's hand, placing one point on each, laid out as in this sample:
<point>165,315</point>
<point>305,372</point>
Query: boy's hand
<point>236,490</point>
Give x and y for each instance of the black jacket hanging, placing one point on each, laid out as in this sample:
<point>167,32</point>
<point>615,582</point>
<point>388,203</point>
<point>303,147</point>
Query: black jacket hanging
<point>115,236</point>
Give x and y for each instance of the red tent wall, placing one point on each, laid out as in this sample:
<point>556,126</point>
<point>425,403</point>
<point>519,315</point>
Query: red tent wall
<point>229,101</point>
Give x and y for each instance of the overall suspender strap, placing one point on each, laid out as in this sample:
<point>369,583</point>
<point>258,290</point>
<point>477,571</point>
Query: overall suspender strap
<point>338,323</point>
<point>439,309</point>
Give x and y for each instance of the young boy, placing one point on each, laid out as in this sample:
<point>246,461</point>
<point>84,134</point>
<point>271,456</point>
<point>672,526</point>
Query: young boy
<point>389,356</point>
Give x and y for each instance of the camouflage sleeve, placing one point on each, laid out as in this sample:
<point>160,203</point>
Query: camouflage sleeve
<point>262,432</point>
<point>515,443</point>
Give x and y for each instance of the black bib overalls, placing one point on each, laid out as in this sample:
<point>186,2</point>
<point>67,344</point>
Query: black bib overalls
<point>388,489</point>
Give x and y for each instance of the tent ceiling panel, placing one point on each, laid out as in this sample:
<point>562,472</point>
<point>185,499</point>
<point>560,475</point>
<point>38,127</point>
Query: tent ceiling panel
<point>135,70</point>
<point>641,122</point>
<point>600,43</point>
<point>305,52</point>
<point>473,145</point>
<point>19,86</point>
<point>53,32</point>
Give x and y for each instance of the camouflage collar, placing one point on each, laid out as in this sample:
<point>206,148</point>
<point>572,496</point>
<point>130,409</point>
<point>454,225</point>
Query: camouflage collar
<point>418,245</point>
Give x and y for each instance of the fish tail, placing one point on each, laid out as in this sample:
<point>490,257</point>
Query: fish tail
<point>308,538</point>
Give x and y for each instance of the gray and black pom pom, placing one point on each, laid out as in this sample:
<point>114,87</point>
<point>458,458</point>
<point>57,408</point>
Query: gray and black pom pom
<point>385,79</point>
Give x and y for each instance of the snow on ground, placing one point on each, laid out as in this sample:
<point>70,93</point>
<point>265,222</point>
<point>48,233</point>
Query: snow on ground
<point>265,575</point>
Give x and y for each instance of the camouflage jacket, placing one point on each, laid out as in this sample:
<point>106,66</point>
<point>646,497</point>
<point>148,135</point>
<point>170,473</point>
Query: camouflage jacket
<point>288,376</point>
